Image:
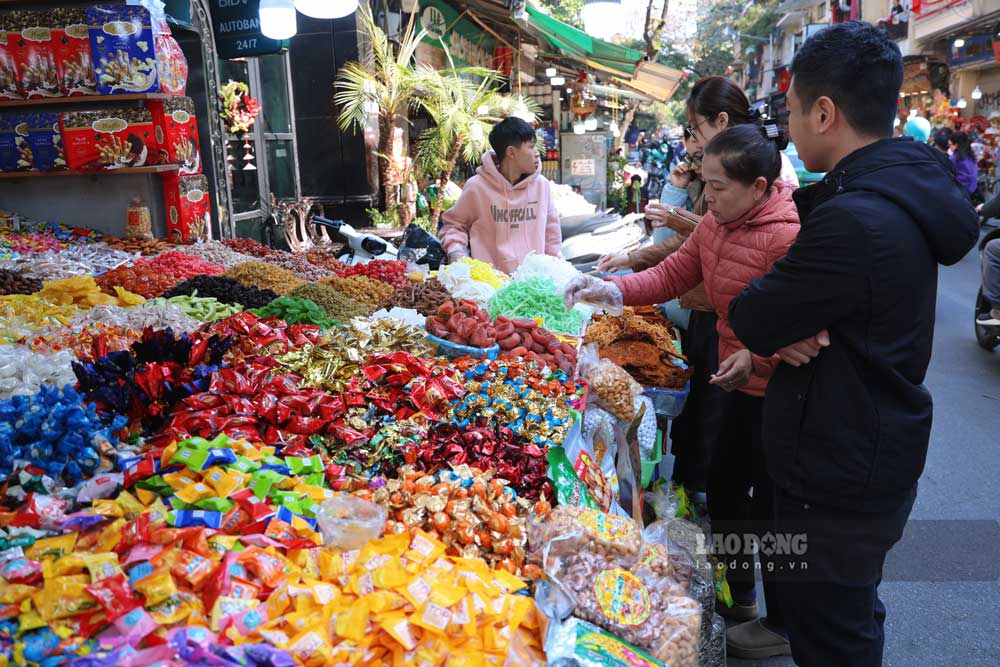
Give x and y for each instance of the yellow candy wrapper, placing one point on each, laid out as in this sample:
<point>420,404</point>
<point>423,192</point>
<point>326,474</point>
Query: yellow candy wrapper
<point>63,597</point>
<point>51,547</point>
<point>157,587</point>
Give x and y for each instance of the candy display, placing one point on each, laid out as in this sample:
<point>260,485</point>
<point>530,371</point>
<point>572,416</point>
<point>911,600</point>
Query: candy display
<point>23,372</point>
<point>216,253</point>
<point>14,282</point>
<point>536,298</point>
<point>462,322</point>
<point>265,276</point>
<point>337,305</point>
<point>425,296</point>
<point>124,137</point>
<point>372,293</point>
<point>207,309</point>
<point>226,290</point>
<point>387,271</point>
<point>296,310</point>
<point>153,276</point>
<point>225,454</point>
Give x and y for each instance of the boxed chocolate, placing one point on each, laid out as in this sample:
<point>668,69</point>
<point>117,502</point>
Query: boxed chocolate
<point>74,67</point>
<point>177,133</point>
<point>45,140</point>
<point>109,139</point>
<point>9,88</point>
<point>188,206</point>
<point>123,49</point>
<point>31,39</point>
<point>15,151</point>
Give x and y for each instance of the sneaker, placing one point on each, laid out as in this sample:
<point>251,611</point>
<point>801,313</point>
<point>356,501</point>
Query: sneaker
<point>753,641</point>
<point>738,612</point>
<point>990,319</point>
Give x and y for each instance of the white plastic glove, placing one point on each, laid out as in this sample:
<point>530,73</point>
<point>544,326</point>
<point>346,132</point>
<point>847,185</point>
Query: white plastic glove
<point>594,292</point>
<point>456,255</point>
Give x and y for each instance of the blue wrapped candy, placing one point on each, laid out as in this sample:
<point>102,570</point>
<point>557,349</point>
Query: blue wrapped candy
<point>55,431</point>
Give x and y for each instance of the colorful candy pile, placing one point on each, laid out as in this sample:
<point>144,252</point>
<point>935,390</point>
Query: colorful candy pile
<point>181,430</point>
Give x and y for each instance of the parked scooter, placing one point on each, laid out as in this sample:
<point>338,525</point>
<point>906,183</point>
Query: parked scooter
<point>587,238</point>
<point>987,336</point>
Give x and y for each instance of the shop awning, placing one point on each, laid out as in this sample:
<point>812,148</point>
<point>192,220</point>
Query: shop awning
<point>580,46</point>
<point>655,80</point>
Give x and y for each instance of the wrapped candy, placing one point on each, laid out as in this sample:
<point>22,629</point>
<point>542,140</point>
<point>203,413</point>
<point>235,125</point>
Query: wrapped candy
<point>253,335</point>
<point>55,431</point>
<point>156,315</point>
<point>23,372</point>
<point>21,314</point>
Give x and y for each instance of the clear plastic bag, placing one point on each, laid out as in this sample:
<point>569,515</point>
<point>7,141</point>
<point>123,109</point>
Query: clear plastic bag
<point>577,643</point>
<point>613,388</point>
<point>349,523</point>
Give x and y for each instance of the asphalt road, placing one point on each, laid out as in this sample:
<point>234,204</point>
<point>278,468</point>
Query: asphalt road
<point>942,581</point>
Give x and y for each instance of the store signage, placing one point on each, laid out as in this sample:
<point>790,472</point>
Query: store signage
<point>467,44</point>
<point>236,25</point>
<point>977,49</point>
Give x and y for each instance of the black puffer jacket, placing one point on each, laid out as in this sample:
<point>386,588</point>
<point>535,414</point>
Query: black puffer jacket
<point>851,428</point>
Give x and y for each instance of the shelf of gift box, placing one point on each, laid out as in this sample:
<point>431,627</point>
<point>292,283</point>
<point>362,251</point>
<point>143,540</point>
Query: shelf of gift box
<point>83,99</point>
<point>156,169</point>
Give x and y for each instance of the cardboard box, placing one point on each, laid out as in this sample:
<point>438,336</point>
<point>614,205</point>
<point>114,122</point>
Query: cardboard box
<point>109,139</point>
<point>31,39</point>
<point>188,205</point>
<point>177,133</point>
<point>15,151</point>
<point>74,66</point>
<point>123,49</point>
<point>9,88</point>
<point>45,140</point>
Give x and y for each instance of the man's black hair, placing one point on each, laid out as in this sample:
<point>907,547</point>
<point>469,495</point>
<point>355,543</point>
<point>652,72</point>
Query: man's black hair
<point>510,132</point>
<point>858,67</point>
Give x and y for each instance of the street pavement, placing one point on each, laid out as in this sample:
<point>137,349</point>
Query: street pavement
<point>942,583</point>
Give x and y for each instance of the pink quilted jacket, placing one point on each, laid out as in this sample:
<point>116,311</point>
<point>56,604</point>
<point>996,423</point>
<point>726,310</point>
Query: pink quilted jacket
<point>726,257</point>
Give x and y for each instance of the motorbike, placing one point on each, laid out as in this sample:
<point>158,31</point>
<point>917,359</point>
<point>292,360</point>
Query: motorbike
<point>587,238</point>
<point>988,336</point>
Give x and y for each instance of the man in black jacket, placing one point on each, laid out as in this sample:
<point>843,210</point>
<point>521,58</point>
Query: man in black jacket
<point>850,310</point>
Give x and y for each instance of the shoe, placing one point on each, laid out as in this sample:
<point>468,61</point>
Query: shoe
<point>738,612</point>
<point>990,319</point>
<point>753,641</point>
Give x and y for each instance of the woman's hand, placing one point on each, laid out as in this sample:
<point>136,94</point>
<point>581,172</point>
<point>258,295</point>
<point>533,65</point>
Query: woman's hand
<point>681,175</point>
<point>594,291</point>
<point>659,215</point>
<point>734,372</point>
<point>614,262</point>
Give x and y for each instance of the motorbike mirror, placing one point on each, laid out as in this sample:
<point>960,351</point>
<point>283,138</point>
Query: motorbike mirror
<point>326,222</point>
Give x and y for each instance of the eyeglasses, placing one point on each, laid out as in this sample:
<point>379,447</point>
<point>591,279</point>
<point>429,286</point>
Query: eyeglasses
<point>695,130</point>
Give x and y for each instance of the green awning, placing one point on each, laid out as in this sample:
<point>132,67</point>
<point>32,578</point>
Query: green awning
<point>581,46</point>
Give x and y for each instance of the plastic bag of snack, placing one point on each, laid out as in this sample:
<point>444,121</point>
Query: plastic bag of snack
<point>570,529</point>
<point>578,643</point>
<point>613,388</point>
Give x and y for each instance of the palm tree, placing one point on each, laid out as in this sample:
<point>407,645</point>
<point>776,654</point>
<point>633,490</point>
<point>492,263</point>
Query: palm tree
<point>463,111</point>
<point>381,83</point>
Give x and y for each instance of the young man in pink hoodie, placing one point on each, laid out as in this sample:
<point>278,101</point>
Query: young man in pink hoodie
<point>506,209</point>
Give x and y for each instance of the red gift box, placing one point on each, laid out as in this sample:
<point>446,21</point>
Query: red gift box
<point>74,67</point>
<point>31,40</point>
<point>187,202</point>
<point>109,139</point>
<point>177,133</point>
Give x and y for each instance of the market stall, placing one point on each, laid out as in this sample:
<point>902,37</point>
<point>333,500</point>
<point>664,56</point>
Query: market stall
<point>227,454</point>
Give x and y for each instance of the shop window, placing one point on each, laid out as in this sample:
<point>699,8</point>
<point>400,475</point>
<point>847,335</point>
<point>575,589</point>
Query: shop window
<point>270,144</point>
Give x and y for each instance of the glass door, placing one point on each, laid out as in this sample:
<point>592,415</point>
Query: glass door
<point>262,161</point>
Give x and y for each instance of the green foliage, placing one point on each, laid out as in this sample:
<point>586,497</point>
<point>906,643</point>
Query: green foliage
<point>424,222</point>
<point>617,188</point>
<point>389,218</point>
<point>720,23</point>
<point>567,11</point>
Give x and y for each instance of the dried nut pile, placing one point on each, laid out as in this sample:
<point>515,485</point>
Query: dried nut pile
<point>144,247</point>
<point>337,305</point>
<point>372,293</point>
<point>265,275</point>
<point>424,297</point>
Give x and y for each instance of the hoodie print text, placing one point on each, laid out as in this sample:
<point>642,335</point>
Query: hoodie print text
<point>513,216</point>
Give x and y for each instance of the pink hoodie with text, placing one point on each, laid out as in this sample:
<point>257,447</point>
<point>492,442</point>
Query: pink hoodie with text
<point>501,223</point>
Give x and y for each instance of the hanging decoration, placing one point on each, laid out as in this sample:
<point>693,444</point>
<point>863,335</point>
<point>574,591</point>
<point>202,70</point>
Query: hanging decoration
<point>239,110</point>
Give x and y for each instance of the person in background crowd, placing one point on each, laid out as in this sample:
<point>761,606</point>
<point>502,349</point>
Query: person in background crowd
<point>749,224</point>
<point>850,311</point>
<point>991,267</point>
<point>919,128</point>
<point>966,169</point>
<point>506,210</point>
<point>941,141</point>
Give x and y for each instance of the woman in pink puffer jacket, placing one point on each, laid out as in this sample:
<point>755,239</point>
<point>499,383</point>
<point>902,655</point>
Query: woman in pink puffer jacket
<point>750,224</point>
